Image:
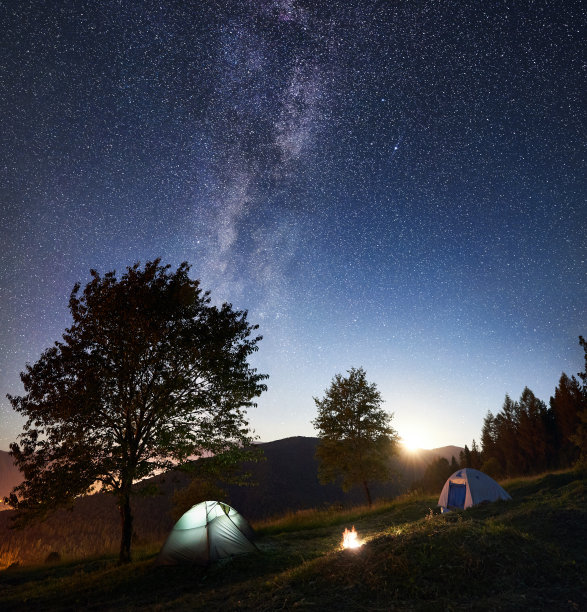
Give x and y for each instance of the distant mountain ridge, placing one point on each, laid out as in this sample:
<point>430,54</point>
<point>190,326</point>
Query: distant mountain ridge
<point>10,476</point>
<point>286,481</point>
<point>448,452</point>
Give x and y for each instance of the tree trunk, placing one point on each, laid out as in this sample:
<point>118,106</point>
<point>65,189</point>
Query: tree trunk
<point>126,527</point>
<point>367,493</point>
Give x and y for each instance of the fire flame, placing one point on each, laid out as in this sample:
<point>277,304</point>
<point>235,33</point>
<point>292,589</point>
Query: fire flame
<point>350,539</point>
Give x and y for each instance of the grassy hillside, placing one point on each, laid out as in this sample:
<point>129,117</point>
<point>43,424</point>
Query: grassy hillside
<point>529,553</point>
<point>287,480</point>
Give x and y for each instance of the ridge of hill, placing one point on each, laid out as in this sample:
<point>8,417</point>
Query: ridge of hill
<point>10,476</point>
<point>447,452</point>
<point>286,481</point>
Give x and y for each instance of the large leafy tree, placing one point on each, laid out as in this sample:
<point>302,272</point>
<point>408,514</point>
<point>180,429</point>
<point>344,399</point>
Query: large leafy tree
<point>356,437</point>
<point>149,374</point>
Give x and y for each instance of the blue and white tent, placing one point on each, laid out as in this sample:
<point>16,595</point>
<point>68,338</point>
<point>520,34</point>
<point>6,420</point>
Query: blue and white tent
<point>469,487</point>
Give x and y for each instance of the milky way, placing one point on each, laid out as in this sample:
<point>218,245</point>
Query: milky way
<point>393,185</point>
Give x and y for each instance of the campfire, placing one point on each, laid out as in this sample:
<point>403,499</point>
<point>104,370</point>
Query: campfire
<point>350,539</point>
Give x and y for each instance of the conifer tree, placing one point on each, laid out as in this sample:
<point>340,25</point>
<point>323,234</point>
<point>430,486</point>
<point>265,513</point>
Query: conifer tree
<point>565,406</point>
<point>580,436</point>
<point>475,455</point>
<point>506,439</point>
<point>488,437</point>
<point>532,433</point>
<point>465,457</point>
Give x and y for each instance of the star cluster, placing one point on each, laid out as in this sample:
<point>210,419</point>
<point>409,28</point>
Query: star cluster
<point>393,185</point>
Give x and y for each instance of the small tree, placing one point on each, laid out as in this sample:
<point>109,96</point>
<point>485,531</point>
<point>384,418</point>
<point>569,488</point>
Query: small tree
<point>149,374</point>
<point>356,439</point>
<point>492,468</point>
<point>435,475</point>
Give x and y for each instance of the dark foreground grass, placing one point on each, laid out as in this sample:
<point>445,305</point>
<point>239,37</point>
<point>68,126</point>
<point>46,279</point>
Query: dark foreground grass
<point>530,553</point>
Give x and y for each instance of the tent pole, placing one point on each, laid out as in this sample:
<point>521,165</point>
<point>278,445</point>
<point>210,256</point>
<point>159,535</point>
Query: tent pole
<point>207,535</point>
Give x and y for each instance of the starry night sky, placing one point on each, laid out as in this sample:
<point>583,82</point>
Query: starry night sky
<point>398,185</point>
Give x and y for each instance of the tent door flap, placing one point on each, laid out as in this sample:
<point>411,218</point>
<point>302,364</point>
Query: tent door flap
<point>456,495</point>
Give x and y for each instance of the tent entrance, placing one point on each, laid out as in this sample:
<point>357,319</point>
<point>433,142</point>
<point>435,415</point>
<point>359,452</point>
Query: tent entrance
<point>456,495</point>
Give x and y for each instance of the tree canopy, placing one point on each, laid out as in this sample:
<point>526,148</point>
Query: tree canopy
<point>149,374</point>
<point>356,437</point>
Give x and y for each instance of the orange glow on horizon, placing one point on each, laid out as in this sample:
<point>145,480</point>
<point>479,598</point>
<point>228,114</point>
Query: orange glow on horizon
<point>411,443</point>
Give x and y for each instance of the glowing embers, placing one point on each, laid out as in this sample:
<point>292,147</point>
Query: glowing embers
<point>350,539</point>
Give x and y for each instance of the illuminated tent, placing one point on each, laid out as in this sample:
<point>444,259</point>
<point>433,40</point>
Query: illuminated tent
<point>207,532</point>
<point>469,487</point>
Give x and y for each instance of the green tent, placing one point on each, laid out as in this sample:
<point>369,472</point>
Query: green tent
<point>207,532</point>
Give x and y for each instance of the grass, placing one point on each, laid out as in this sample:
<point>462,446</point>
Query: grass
<point>529,553</point>
<point>91,528</point>
<point>408,505</point>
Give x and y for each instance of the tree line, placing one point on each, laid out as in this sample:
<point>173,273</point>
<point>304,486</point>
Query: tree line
<point>526,436</point>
